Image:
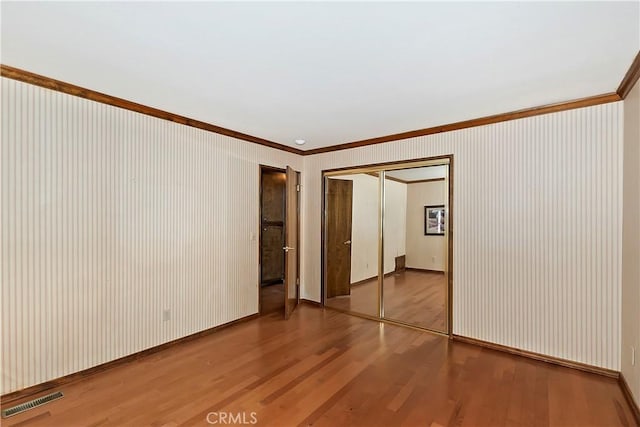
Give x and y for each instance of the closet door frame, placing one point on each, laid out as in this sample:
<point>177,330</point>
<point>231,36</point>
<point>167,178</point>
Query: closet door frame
<point>380,169</point>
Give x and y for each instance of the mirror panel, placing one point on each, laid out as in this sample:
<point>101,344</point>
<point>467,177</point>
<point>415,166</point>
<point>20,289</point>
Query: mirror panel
<point>351,242</point>
<point>415,246</point>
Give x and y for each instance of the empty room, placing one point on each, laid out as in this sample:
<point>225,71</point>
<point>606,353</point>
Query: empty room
<point>320,213</point>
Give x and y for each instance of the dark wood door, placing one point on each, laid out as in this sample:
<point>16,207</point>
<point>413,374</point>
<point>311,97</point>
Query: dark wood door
<point>338,234</point>
<point>291,250</point>
<point>272,201</point>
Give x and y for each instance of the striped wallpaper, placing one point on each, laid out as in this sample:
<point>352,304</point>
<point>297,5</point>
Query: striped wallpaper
<point>537,229</point>
<point>110,217</point>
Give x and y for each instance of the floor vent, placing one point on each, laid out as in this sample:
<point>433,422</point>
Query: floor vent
<point>31,404</point>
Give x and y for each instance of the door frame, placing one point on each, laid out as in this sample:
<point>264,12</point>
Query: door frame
<point>298,216</point>
<point>261,169</point>
<point>296,187</point>
<point>377,167</point>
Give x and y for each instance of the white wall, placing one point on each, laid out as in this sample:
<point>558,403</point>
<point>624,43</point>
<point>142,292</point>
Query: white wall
<point>108,218</point>
<point>395,223</point>
<point>424,252</point>
<point>537,229</point>
<point>631,243</point>
<point>364,225</point>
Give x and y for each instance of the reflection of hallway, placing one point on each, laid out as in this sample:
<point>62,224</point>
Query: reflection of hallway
<point>415,297</point>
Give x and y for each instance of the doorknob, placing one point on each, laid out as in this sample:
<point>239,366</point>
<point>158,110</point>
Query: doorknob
<point>287,248</point>
<point>346,242</point>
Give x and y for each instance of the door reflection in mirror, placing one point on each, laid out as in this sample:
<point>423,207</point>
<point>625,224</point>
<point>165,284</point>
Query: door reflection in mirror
<point>351,245</point>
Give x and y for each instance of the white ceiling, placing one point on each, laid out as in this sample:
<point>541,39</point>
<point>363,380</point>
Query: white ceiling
<point>324,71</point>
<point>408,175</point>
<point>418,174</point>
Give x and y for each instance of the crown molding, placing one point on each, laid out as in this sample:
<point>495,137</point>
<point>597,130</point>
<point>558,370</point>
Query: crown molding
<point>403,181</point>
<point>519,114</point>
<point>630,79</point>
<point>70,89</point>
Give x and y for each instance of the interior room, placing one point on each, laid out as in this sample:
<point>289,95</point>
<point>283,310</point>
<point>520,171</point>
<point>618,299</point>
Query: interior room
<point>320,213</point>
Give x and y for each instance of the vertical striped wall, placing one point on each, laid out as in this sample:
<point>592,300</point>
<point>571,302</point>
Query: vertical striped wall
<point>537,229</point>
<point>110,217</point>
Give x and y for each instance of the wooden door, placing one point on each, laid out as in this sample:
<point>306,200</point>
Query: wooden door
<point>291,250</point>
<point>338,234</point>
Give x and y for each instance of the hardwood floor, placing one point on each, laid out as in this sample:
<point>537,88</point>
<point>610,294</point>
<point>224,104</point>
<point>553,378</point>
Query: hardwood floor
<point>272,299</point>
<point>326,368</point>
<point>415,297</point>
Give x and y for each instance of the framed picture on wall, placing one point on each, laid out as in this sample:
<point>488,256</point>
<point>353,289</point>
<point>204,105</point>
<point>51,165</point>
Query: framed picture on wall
<point>434,220</point>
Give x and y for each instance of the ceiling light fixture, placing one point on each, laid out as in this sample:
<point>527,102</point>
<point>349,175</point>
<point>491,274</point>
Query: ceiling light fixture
<point>300,141</point>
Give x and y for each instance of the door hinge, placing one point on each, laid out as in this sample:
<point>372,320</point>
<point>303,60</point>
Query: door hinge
<point>298,281</point>
<point>298,187</point>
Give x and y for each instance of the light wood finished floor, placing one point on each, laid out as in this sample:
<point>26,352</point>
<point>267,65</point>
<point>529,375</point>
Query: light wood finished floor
<point>326,368</point>
<point>415,297</point>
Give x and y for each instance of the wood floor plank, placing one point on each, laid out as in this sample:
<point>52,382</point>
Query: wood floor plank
<point>326,368</point>
<point>415,297</point>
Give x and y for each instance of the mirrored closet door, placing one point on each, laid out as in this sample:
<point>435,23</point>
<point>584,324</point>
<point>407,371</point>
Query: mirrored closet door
<point>415,246</point>
<point>387,242</point>
<point>351,243</point>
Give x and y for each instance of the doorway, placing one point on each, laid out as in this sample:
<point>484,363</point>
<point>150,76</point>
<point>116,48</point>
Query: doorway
<point>279,230</point>
<point>387,242</point>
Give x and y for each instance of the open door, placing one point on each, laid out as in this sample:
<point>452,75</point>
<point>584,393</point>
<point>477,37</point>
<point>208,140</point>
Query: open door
<point>291,251</point>
<point>338,234</point>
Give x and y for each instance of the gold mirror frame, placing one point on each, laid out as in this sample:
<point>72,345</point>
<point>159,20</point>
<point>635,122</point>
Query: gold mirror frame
<point>380,169</point>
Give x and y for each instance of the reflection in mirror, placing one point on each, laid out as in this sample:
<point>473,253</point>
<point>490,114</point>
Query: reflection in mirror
<point>351,245</point>
<point>415,246</point>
